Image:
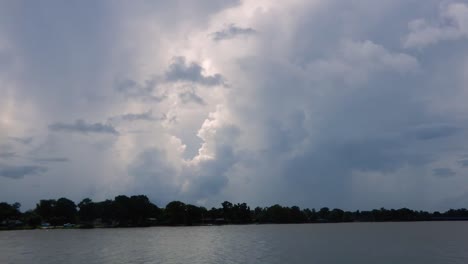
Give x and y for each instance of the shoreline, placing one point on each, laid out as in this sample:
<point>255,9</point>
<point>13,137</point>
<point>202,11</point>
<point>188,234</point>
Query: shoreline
<point>26,228</point>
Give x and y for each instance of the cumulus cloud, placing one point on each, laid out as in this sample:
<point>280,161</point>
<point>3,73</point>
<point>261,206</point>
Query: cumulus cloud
<point>195,179</point>
<point>19,172</point>
<point>451,25</point>
<point>232,31</point>
<point>81,126</point>
<point>344,117</point>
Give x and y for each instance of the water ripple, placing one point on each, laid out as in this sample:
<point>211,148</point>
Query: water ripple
<point>312,243</point>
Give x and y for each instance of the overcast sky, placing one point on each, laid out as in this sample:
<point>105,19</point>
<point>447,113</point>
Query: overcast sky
<point>353,104</point>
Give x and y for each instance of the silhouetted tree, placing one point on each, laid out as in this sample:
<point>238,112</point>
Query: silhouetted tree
<point>259,215</point>
<point>87,212</point>
<point>65,210</point>
<point>311,215</point>
<point>176,213</point>
<point>31,219</point>
<point>336,215</point>
<point>296,215</point>
<point>105,211</point>
<point>45,209</point>
<point>215,213</point>
<point>9,211</point>
<point>323,214</point>
<point>227,211</point>
<point>57,212</point>
<point>138,210</point>
<point>121,208</point>
<point>194,214</point>
<point>277,214</point>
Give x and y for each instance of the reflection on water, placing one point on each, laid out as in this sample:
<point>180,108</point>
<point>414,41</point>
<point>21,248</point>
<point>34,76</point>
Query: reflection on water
<point>423,242</point>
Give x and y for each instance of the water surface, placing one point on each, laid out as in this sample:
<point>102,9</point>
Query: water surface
<point>415,243</point>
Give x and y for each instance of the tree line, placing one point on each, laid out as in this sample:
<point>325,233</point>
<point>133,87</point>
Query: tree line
<point>138,210</point>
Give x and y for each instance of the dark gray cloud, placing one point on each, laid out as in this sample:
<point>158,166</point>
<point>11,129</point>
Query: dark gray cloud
<point>232,31</point>
<point>53,159</point>
<point>151,168</point>
<point>325,169</point>
<point>345,117</point>
<point>144,92</point>
<point>19,172</point>
<point>7,155</point>
<point>463,163</point>
<point>130,86</point>
<point>148,116</point>
<point>456,201</point>
<point>37,41</point>
<point>191,97</point>
<point>322,133</point>
<point>145,116</point>
<point>433,131</point>
<point>81,126</point>
<point>443,172</point>
<point>181,70</point>
<point>25,140</point>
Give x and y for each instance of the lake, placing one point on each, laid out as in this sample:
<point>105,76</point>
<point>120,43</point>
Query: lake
<point>418,242</point>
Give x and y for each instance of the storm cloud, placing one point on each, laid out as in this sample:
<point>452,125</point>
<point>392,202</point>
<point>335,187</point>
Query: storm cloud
<point>19,172</point>
<point>309,103</point>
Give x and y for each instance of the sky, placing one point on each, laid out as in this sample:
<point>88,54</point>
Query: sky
<point>353,104</point>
